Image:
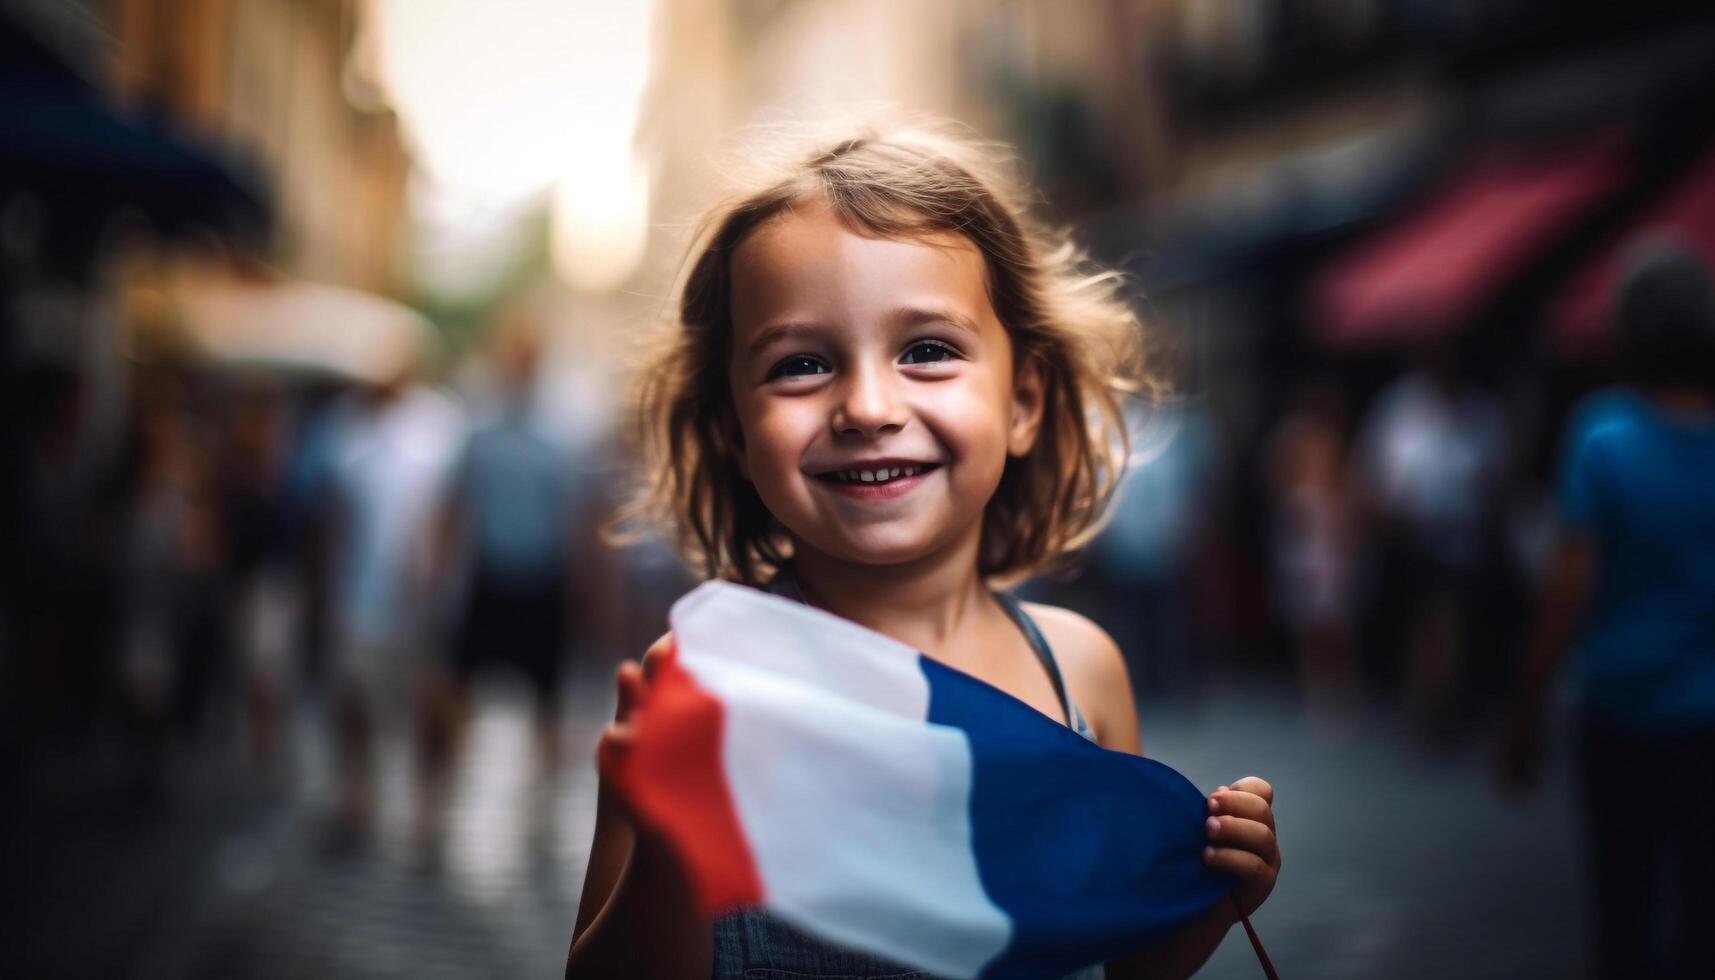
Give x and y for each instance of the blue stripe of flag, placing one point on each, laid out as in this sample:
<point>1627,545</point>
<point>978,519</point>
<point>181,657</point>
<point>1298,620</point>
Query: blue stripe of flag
<point>1094,854</point>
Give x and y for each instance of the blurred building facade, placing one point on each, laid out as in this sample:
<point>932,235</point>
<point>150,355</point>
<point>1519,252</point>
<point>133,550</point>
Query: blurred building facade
<point>273,81</point>
<point>1195,142</point>
<point>155,153</point>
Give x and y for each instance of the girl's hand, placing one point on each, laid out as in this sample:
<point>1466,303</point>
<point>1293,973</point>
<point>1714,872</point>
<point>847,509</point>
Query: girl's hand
<point>637,917</point>
<point>1241,839</point>
<point>620,736</point>
<point>617,738</point>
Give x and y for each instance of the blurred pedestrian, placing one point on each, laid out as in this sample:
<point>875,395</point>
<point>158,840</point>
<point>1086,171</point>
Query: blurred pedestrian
<point>1430,467</point>
<point>54,552</point>
<point>1632,587</point>
<point>511,503</point>
<point>174,647</point>
<point>1310,547</point>
<point>253,493</point>
<point>376,469</point>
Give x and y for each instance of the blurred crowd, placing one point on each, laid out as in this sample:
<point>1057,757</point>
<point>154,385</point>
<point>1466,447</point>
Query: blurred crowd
<point>1388,557</point>
<point>254,540</point>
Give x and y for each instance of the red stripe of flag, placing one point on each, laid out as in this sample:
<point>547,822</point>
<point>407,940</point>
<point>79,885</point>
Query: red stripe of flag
<point>674,781</point>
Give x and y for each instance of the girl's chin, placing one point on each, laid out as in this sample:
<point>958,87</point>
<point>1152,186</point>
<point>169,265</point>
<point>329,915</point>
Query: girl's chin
<point>877,553</point>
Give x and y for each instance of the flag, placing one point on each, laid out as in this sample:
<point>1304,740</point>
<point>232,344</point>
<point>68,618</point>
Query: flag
<point>880,800</point>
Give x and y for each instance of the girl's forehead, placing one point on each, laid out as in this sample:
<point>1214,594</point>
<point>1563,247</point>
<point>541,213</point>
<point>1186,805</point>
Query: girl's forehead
<point>809,264</point>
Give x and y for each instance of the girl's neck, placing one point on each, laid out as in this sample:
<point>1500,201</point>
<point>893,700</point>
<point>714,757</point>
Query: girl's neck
<point>922,602</point>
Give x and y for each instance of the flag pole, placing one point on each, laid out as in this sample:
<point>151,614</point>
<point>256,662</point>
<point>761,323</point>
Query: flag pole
<point>1256,944</point>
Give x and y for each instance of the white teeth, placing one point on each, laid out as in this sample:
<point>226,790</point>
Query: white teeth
<point>877,476</point>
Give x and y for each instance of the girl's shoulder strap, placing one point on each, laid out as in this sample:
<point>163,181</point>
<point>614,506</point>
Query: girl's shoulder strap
<point>1045,653</point>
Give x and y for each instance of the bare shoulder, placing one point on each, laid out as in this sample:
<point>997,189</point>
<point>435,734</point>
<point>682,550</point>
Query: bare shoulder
<point>1094,670</point>
<point>1079,644</point>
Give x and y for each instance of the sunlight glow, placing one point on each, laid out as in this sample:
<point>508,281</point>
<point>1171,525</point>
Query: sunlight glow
<point>506,100</point>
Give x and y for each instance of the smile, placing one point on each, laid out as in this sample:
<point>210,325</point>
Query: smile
<point>877,483</point>
<point>882,475</point>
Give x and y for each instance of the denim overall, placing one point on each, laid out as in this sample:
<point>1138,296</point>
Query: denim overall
<point>750,944</point>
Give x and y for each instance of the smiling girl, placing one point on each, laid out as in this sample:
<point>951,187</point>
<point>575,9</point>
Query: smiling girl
<point>886,393</point>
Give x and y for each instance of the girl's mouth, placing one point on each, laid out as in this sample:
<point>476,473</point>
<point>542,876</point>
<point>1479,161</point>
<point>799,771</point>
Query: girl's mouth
<point>877,483</point>
<point>885,474</point>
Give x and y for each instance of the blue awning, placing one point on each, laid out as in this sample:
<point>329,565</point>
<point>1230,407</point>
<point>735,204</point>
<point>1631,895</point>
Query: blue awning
<point>58,141</point>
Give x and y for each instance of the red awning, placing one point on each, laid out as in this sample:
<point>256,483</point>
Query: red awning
<point>1428,275</point>
<point>1684,215</point>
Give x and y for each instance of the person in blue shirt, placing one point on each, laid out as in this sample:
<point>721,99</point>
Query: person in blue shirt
<point>509,543</point>
<point>1632,592</point>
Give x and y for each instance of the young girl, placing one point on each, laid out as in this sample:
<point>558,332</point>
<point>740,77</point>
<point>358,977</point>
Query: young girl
<point>888,390</point>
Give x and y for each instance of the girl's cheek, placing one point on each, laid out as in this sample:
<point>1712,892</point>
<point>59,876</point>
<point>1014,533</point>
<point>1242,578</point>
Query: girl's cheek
<point>777,421</point>
<point>967,422</point>
<point>776,440</point>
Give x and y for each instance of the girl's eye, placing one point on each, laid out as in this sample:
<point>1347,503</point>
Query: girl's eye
<point>927,352</point>
<point>797,366</point>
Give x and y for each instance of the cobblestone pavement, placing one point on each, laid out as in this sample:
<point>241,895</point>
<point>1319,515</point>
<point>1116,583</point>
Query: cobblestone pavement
<point>1397,864</point>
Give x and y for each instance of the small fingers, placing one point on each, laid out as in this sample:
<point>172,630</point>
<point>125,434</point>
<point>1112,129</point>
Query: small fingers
<point>652,659</point>
<point>1246,835</point>
<point>631,684</point>
<point>616,741</point>
<point>1240,804</point>
<point>1257,785</point>
<point>1241,863</point>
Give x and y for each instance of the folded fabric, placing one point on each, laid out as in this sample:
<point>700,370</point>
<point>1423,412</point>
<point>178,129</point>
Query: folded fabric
<point>883,801</point>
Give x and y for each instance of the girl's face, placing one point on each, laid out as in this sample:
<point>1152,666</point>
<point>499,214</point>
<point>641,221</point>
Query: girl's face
<point>874,387</point>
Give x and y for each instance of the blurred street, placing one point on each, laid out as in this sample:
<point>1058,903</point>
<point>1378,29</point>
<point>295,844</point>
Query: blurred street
<point>224,881</point>
<point>1398,864</point>
<point>1395,862</point>
<point>320,333</point>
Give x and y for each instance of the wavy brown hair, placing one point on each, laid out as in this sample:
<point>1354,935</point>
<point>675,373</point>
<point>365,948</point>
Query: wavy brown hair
<point>1058,309</point>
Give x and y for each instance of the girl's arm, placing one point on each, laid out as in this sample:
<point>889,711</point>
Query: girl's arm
<point>1182,955</point>
<point>636,917</point>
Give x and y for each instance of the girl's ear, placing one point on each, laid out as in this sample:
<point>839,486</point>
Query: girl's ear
<point>1028,395</point>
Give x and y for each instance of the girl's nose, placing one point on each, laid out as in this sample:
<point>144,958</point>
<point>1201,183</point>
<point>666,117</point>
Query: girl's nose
<point>868,405</point>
